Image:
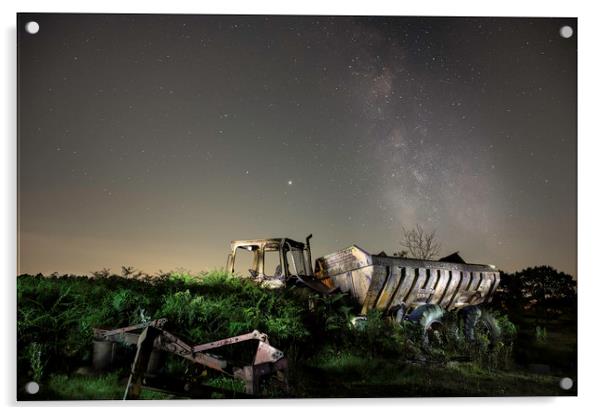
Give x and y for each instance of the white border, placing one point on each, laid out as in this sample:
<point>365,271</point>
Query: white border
<point>589,210</point>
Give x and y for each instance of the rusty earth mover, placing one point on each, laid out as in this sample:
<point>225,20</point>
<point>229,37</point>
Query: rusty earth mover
<point>405,289</point>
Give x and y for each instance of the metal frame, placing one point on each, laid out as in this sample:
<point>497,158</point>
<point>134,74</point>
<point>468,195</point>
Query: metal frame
<point>260,246</point>
<point>267,361</point>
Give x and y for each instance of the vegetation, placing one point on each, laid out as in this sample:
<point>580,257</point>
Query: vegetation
<point>542,302</point>
<point>328,356</point>
<point>102,386</point>
<point>540,291</point>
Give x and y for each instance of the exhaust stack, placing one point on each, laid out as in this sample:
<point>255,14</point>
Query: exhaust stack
<point>310,265</point>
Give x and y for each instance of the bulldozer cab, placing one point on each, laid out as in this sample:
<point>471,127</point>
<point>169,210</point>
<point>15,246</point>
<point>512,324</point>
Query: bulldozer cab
<point>279,258</point>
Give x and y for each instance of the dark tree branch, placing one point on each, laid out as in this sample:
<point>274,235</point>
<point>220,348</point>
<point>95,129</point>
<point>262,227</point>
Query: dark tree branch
<point>418,243</point>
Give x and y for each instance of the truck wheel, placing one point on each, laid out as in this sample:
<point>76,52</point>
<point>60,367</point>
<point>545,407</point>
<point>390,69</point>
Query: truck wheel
<point>480,324</point>
<point>470,316</point>
<point>429,317</point>
<point>488,327</point>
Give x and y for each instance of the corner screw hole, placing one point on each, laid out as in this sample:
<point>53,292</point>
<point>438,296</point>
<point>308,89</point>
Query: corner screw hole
<point>566,31</point>
<point>32,28</point>
<point>566,383</point>
<point>32,388</point>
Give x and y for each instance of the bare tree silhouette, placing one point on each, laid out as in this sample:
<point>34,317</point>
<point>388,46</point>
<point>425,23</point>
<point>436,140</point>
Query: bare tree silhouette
<point>418,243</point>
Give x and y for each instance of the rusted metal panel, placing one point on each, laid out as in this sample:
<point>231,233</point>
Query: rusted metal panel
<point>143,352</point>
<point>486,284</point>
<point>407,280</point>
<point>457,289</point>
<point>267,354</point>
<point>476,281</point>
<point>468,293</point>
<point>294,259</point>
<point>267,360</point>
<point>392,283</point>
<point>418,276</point>
<point>459,300</point>
<point>452,288</point>
<point>440,287</point>
<point>494,285</point>
<point>346,260</point>
<point>379,277</point>
<point>489,279</point>
<point>230,340</point>
<point>386,282</point>
<point>343,282</point>
<point>430,285</point>
<point>360,282</point>
<point>108,334</point>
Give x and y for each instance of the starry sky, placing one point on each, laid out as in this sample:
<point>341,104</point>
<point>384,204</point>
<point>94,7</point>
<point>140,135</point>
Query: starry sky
<point>155,140</point>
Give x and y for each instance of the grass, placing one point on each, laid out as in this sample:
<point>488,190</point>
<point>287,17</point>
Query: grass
<point>107,386</point>
<point>347,374</point>
<point>327,356</point>
<point>556,350</point>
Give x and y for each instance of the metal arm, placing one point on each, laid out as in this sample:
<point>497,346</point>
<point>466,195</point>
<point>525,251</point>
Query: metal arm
<point>268,360</point>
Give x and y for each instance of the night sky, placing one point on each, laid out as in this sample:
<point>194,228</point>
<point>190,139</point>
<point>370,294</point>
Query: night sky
<point>154,140</point>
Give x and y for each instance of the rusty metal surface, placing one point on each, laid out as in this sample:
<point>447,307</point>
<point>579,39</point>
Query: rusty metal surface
<point>298,264</point>
<point>231,340</point>
<point>108,334</point>
<point>143,352</point>
<point>293,266</point>
<point>267,359</point>
<point>267,354</point>
<point>173,344</point>
<point>384,282</point>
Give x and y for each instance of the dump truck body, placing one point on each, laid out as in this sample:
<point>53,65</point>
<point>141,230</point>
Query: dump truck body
<point>387,283</point>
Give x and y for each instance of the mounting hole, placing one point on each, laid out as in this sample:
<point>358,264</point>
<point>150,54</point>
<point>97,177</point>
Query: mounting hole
<point>566,383</point>
<point>32,28</point>
<point>32,388</point>
<point>566,31</point>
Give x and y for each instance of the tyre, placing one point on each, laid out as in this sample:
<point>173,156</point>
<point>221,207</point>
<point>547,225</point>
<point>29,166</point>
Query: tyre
<point>480,325</point>
<point>489,327</point>
<point>429,318</point>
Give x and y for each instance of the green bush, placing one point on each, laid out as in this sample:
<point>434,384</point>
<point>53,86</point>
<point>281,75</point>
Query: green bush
<point>56,316</point>
<point>60,312</point>
<point>34,353</point>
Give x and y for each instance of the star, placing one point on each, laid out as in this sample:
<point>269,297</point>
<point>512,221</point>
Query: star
<point>390,121</point>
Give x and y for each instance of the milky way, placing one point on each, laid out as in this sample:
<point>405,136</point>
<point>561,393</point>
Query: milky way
<point>153,141</point>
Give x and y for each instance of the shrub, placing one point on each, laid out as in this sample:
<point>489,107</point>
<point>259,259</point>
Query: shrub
<point>34,353</point>
<point>59,312</point>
